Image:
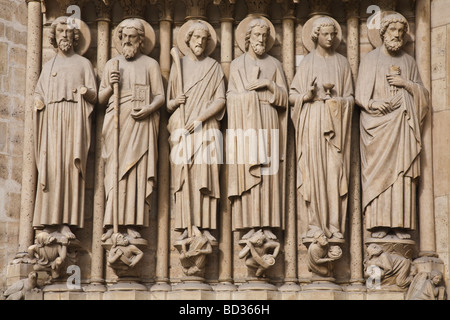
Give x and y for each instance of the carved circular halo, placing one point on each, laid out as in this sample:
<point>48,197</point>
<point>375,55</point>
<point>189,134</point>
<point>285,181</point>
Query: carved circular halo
<point>309,44</point>
<point>84,41</point>
<point>149,41</point>
<point>373,30</point>
<point>241,31</point>
<point>183,47</point>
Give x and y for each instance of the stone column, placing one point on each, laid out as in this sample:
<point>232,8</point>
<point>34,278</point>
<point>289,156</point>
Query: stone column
<point>426,192</point>
<point>226,234</point>
<point>29,171</point>
<point>163,238</point>
<point>354,197</point>
<point>290,236</point>
<point>103,48</point>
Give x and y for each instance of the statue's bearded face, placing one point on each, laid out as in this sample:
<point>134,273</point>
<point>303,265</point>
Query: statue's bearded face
<point>258,38</point>
<point>130,42</point>
<point>198,42</point>
<point>64,36</point>
<point>393,37</point>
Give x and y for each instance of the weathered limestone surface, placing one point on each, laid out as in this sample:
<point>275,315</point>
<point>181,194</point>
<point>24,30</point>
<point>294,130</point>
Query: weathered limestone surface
<point>24,48</point>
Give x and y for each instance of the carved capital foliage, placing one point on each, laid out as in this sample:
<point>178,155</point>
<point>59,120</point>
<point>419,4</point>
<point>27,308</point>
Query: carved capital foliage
<point>288,7</point>
<point>320,6</point>
<point>196,8</point>
<point>387,5</point>
<point>226,9</point>
<point>258,7</point>
<point>165,9</point>
<point>351,8</point>
<point>103,8</point>
<point>133,8</point>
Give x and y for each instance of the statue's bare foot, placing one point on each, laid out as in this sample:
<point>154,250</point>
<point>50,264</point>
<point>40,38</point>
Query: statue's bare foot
<point>183,235</point>
<point>209,235</point>
<point>401,234</point>
<point>338,235</point>
<point>107,235</point>
<point>380,233</point>
<point>133,234</point>
<point>65,231</point>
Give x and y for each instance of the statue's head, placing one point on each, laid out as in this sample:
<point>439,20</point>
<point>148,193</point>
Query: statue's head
<point>374,250</point>
<point>258,31</point>
<point>323,32</point>
<point>320,238</point>
<point>393,29</point>
<point>131,33</point>
<point>64,35</point>
<point>119,239</point>
<point>197,38</point>
<point>436,277</point>
<point>44,238</point>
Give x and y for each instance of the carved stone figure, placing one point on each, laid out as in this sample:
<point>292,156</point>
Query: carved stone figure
<point>426,286</point>
<point>48,254</point>
<point>122,254</point>
<point>64,99</point>
<point>321,255</point>
<point>260,251</point>
<point>141,94</point>
<point>257,100</point>
<point>394,103</point>
<point>193,251</point>
<point>322,95</point>
<point>20,288</point>
<point>196,99</point>
<point>387,269</point>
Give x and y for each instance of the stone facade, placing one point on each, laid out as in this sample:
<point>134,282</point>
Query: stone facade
<point>160,270</point>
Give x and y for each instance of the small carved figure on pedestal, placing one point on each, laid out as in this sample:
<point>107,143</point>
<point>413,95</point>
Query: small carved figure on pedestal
<point>21,288</point>
<point>321,256</point>
<point>427,286</point>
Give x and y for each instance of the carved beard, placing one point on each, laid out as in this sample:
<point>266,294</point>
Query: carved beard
<point>65,45</point>
<point>129,50</point>
<point>393,45</point>
<point>258,48</point>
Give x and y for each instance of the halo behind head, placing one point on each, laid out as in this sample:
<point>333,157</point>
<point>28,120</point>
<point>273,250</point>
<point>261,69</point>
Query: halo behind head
<point>312,24</point>
<point>387,17</point>
<point>191,25</point>
<point>138,24</point>
<point>82,37</point>
<point>242,28</point>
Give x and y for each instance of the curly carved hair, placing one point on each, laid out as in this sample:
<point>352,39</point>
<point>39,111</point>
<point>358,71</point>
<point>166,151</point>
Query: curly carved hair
<point>134,24</point>
<point>319,23</point>
<point>255,23</point>
<point>392,18</point>
<point>52,35</point>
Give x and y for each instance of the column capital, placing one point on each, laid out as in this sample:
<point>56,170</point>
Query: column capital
<point>352,8</point>
<point>165,10</point>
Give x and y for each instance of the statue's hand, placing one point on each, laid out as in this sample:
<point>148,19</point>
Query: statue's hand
<point>310,94</point>
<point>114,77</point>
<point>141,113</point>
<point>382,107</point>
<point>260,84</point>
<point>396,80</point>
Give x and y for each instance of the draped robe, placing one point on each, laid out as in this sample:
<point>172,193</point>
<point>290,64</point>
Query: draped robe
<point>256,163</point>
<point>391,143</point>
<point>323,130</point>
<point>62,136</point>
<point>140,83</point>
<point>202,88</point>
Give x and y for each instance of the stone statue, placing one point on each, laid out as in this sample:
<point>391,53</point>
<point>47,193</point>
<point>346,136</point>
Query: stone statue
<point>19,289</point>
<point>64,98</point>
<point>48,254</point>
<point>394,103</point>
<point>196,101</point>
<point>387,269</point>
<point>322,95</point>
<point>257,101</point>
<point>141,94</point>
<point>122,254</point>
<point>425,286</point>
<point>321,255</point>
<point>193,251</point>
<point>260,251</point>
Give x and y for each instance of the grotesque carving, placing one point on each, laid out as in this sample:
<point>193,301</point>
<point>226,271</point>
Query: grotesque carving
<point>257,101</point>
<point>321,255</point>
<point>140,96</point>
<point>393,104</point>
<point>196,99</point>
<point>322,95</point>
<point>386,269</point>
<point>64,99</point>
<point>122,254</point>
<point>427,286</point>
<point>260,251</point>
<point>20,288</point>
